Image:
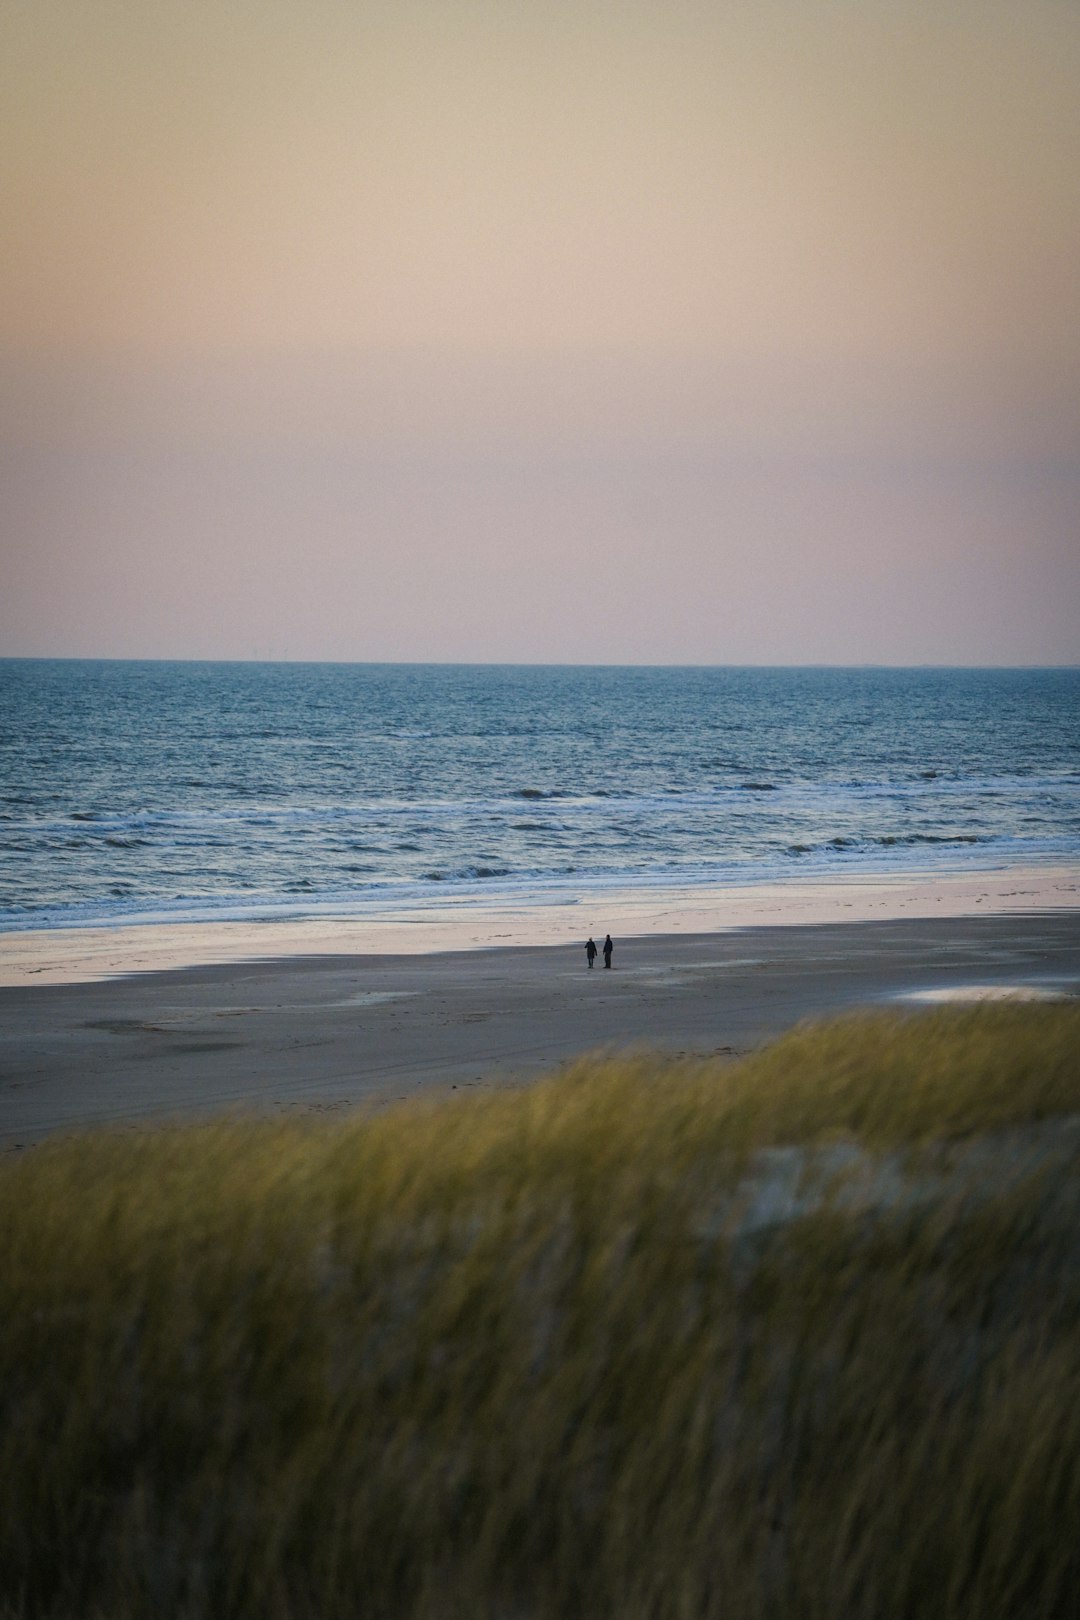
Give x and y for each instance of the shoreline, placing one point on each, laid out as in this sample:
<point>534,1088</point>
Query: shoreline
<point>97,953</point>
<point>319,1033</point>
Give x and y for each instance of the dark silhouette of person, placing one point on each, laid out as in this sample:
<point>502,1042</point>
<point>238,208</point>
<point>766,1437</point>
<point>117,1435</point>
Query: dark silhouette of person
<point>608,948</point>
<point>590,950</point>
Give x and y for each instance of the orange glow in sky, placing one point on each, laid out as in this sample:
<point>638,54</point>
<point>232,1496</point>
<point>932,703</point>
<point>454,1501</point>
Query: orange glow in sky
<point>622,332</point>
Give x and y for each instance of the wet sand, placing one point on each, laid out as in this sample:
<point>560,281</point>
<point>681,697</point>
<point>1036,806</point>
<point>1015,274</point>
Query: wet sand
<point>329,1032</point>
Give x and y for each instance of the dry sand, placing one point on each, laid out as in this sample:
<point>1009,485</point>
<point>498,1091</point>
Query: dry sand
<point>322,1031</point>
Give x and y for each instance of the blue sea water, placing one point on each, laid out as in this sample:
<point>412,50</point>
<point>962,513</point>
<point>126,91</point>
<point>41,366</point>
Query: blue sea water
<point>135,790</point>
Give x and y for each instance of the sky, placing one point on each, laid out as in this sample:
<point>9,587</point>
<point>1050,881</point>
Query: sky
<point>541,330</point>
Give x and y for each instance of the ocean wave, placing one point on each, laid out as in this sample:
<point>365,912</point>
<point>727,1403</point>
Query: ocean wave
<point>889,839</point>
<point>468,874</point>
<point>1047,791</point>
<point>914,840</point>
<point>375,896</point>
<point>294,787</point>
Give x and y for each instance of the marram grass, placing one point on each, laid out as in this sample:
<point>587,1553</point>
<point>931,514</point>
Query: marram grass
<point>560,1353</point>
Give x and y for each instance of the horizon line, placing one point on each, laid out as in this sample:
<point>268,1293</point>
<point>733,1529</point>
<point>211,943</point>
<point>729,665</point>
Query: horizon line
<point>499,663</point>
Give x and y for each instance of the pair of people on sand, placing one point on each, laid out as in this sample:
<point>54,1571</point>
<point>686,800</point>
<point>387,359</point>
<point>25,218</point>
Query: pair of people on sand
<point>590,950</point>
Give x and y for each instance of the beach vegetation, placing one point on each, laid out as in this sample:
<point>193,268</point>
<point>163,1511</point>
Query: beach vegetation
<point>793,1336</point>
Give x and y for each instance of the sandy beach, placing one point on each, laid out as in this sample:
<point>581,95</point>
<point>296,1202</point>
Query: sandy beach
<point>331,1014</point>
<point>465,923</point>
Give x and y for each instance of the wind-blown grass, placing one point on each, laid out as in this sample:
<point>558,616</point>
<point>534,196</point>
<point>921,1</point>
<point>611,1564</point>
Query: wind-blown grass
<point>560,1352</point>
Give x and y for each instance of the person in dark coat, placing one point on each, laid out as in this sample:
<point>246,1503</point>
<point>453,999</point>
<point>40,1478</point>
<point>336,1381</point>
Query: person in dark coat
<point>590,950</point>
<point>608,948</point>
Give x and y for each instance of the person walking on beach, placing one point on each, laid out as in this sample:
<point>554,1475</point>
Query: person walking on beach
<point>590,950</point>
<point>608,948</point>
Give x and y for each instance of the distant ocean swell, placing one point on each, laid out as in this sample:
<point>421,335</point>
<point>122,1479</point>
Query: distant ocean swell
<point>156,790</point>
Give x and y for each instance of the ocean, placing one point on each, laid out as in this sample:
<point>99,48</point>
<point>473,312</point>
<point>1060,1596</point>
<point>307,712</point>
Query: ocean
<point>155,791</point>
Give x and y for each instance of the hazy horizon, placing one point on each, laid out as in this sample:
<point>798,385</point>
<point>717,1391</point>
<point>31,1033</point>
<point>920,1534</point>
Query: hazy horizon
<point>491,663</point>
<point>459,333</point>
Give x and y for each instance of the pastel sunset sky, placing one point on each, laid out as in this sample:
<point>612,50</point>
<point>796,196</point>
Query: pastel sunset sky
<point>541,330</point>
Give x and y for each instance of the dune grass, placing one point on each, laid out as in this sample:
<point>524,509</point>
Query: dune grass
<point>523,1356</point>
